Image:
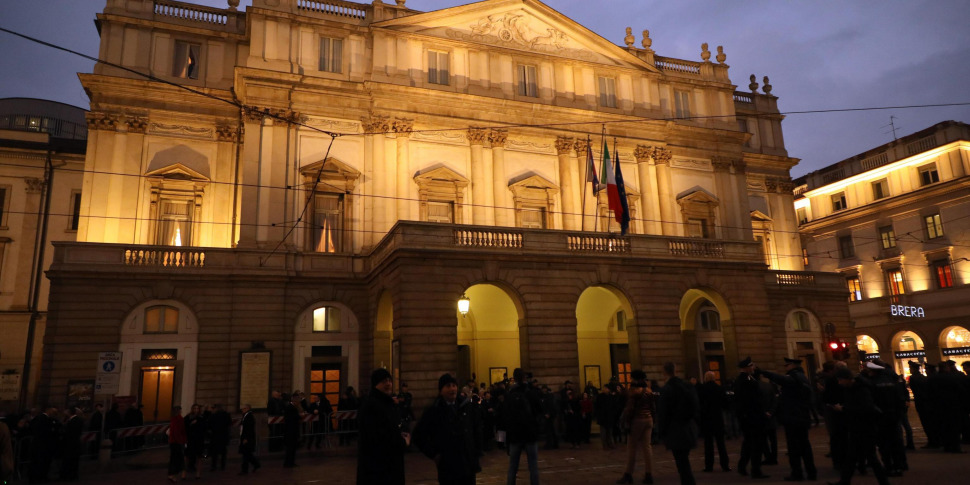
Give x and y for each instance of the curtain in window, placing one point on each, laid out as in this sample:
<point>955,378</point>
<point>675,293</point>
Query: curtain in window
<point>326,224</point>
<point>330,54</point>
<point>174,224</point>
<point>187,60</point>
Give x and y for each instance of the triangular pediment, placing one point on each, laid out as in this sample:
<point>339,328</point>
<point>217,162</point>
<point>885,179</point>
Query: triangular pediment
<point>177,171</point>
<point>525,25</point>
<point>441,174</point>
<point>533,181</point>
<point>331,167</point>
<point>697,195</point>
<point>757,215</point>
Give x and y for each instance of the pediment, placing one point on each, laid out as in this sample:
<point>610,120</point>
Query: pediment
<point>757,215</point>
<point>332,168</point>
<point>525,25</point>
<point>177,171</point>
<point>697,195</point>
<point>440,174</point>
<point>533,181</point>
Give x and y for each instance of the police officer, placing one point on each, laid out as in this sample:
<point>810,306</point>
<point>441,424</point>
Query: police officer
<point>795,415</point>
<point>753,418</point>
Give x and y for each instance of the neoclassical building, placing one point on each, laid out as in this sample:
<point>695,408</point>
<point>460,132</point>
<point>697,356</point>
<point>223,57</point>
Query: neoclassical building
<point>893,222</point>
<point>303,191</point>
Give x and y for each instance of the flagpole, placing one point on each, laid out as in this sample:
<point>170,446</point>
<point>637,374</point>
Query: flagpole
<point>614,169</point>
<point>585,181</point>
<point>596,199</point>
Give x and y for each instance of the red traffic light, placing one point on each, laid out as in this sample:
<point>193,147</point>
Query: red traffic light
<point>834,345</point>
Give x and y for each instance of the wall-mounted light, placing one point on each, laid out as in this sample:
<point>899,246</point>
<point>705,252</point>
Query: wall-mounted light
<point>463,304</point>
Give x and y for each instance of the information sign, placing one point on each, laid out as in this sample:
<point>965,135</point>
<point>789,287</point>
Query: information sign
<point>108,373</point>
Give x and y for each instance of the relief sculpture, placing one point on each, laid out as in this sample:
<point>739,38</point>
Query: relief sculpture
<point>514,30</point>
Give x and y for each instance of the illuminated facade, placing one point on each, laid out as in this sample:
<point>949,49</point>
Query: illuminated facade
<point>457,167</point>
<point>893,222</point>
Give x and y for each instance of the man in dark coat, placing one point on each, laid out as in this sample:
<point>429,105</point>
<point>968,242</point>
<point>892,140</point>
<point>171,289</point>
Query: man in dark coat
<point>677,410</point>
<point>41,447</point>
<point>888,397</point>
<point>794,413</point>
<point>753,418</point>
<point>520,412</point>
<point>247,440</point>
<point>219,423</point>
<point>861,418</point>
<point>446,434</point>
<point>71,445</point>
<point>380,450</point>
<point>713,400</point>
<point>291,430</point>
<point>274,408</point>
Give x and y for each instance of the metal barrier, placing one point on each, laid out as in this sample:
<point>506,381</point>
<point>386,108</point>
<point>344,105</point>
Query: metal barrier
<point>315,429</point>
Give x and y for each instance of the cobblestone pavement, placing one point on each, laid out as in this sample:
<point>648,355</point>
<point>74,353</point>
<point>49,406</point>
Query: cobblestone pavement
<point>588,465</point>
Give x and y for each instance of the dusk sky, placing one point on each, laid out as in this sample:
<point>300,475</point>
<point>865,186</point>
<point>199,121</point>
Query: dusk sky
<point>818,54</point>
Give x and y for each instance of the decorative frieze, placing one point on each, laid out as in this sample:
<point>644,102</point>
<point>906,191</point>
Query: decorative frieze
<point>529,146</point>
<point>449,137</point>
<point>206,133</point>
<point>516,31</point>
<point>756,184</point>
<point>336,126</point>
<point>692,164</point>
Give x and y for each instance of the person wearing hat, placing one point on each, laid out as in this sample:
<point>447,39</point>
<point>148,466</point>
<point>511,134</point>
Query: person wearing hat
<point>749,405</point>
<point>381,446</point>
<point>447,434</point>
<point>794,413</point>
<point>860,417</point>
<point>888,397</point>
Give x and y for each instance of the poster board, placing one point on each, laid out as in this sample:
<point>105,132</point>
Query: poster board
<point>592,374</point>
<point>497,374</point>
<point>10,387</point>
<point>254,373</point>
<point>80,394</point>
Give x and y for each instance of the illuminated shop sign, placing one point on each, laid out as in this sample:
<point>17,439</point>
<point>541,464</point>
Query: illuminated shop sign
<point>957,351</point>
<point>909,354</point>
<point>868,357</point>
<point>907,311</point>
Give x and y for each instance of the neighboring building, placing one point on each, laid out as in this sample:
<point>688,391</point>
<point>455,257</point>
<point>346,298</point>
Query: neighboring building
<point>31,132</point>
<point>895,223</point>
<point>223,266</point>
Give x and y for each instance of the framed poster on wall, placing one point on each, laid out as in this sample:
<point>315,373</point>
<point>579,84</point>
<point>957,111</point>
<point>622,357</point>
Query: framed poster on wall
<point>497,374</point>
<point>591,373</point>
<point>254,373</point>
<point>80,394</point>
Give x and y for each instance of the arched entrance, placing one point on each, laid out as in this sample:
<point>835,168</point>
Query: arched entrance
<point>604,318</point>
<point>955,344</point>
<point>907,345</point>
<point>707,332</point>
<point>326,349</point>
<point>868,345</point>
<point>804,336</point>
<point>488,335</point>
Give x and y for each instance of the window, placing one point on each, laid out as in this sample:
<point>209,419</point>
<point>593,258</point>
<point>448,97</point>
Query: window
<point>174,223</point>
<point>438,67</point>
<point>533,217</point>
<point>528,85</point>
<point>928,174</point>
<point>607,92</point>
<point>326,319</point>
<point>743,128</point>
<point>934,226</point>
<point>161,319</point>
<point>895,277</point>
<point>855,288</point>
<point>331,53</point>
<point>802,215</point>
<point>620,321</point>
<point>682,104</point>
<point>838,202</point>
<point>708,319</point>
<point>888,237</point>
<point>805,257</point>
<point>75,211</point>
<point>328,216</point>
<point>697,228</point>
<point>846,249</point>
<point>439,211</point>
<point>186,63</point>
<point>4,204</point>
<point>159,354</point>
<point>880,189</point>
<point>943,273</point>
<point>800,322</point>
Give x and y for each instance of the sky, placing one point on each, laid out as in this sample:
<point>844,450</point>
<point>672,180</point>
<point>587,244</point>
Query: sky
<point>818,54</point>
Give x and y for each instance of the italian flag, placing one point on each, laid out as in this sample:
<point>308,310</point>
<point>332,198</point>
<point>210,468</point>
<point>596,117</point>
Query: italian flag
<point>609,181</point>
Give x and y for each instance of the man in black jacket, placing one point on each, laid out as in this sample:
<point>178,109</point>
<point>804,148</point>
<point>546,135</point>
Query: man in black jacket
<point>446,433</point>
<point>753,418</point>
<point>520,412</point>
<point>860,417</point>
<point>677,410</point>
<point>247,440</point>
<point>713,401</point>
<point>794,413</point>
<point>380,450</point>
<point>219,423</point>
<point>292,421</point>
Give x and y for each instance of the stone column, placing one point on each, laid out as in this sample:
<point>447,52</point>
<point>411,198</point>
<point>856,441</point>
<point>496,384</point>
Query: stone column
<point>129,218</point>
<point>567,190</point>
<point>731,226</point>
<point>402,129</point>
<point>740,196</point>
<point>249,178</point>
<point>35,189</point>
<point>649,197</point>
<point>502,208</point>
<point>476,139</point>
<point>587,200</point>
<point>668,215</point>
<point>377,180</point>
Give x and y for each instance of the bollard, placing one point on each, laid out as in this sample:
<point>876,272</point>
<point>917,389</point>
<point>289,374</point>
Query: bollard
<point>104,455</point>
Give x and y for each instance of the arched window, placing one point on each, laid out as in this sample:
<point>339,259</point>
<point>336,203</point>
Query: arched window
<point>326,319</point>
<point>708,319</point>
<point>800,322</point>
<point>161,319</point>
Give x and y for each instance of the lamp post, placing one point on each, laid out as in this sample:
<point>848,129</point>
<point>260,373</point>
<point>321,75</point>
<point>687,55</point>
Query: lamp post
<point>463,304</point>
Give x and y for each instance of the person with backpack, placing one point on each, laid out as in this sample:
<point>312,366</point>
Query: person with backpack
<point>795,415</point>
<point>520,413</point>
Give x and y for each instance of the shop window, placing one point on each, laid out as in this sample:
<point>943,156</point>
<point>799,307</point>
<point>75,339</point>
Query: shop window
<point>161,319</point>
<point>186,62</point>
<point>928,174</point>
<point>846,248</point>
<point>855,288</point>
<point>331,54</point>
<point>887,236</point>
<point>326,319</point>
<point>895,279</point>
<point>943,273</point>
<point>934,226</point>
<point>438,67</point>
<point>682,104</point>
<point>880,189</point>
<point>528,81</point>
<point>607,92</point>
<point>838,202</point>
<point>75,211</point>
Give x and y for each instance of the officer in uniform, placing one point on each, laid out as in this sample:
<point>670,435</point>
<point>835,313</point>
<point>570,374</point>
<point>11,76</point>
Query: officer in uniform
<point>753,418</point>
<point>795,415</point>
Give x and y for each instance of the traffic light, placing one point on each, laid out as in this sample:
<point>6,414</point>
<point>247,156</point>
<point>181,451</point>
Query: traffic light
<point>839,348</point>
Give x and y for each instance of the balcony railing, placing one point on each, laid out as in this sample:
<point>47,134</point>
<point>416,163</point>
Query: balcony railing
<point>740,97</point>
<point>678,65</point>
<point>192,14</point>
<point>336,8</point>
<point>165,257</point>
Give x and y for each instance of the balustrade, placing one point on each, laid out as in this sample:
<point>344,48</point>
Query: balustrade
<point>332,7</point>
<point>698,248</point>
<point>603,244</point>
<point>188,11</point>
<point>678,65</point>
<point>488,239</point>
<point>178,258</point>
<point>740,97</point>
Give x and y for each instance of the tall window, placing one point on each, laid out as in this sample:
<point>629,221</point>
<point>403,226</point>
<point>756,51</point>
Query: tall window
<point>161,319</point>
<point>186,62</point>
<point>4,203</point>
<point>75,211</point>
<point>805,257</point>
<point>528,81</point>
<point>328,216</point>
<point>943,273</point>
<point>438,67</point>
<point>895,277</point>
<point>855,288</point>
<point>682,104</point>
<point>887,236</point>
<point>533,217</point>
<point>607,92</point>
<point>174,223</point>
<point>928,174</point>
<point>880,189</point>
<point>708,319</point>
<point>697,228</point>
<point>802,215</point>
<point>800,322</point>
<point>838,202</point>
<point>846,248</point>
<point>441,211</point>
<point>326,319</point>
<point>934,226</point>
<point>331,53</point>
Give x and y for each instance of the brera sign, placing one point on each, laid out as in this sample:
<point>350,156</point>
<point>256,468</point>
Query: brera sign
<point>907,311</point>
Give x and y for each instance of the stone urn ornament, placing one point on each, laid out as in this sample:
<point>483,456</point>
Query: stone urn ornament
<point>705,54</point>
<point>767,87</point>
<point>629,39</point>
<point>647,41</point>
<point>233,4</point>
<point>400,3</point>
<point>721,56</point>
<point>754,84</point>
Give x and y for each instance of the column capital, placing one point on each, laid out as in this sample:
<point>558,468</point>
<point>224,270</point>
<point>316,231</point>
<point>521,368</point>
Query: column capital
<point>34,185</point>
<point>581,146</point>
<point>643,153</point>
<point>225,131</point>
<point>662,155</point>
<point>563,145</point>
<point>100,120</point>
<point>402,127</point>
<point>137,124</point>
<point>498,137</point>
<point>374,124</point>
<point>477,136</point>
<point>771,184</point>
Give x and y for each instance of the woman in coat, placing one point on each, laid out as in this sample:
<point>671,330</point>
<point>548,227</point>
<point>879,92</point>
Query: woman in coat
<point>176,445</point>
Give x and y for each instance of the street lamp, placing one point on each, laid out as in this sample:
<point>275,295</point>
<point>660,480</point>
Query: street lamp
<point>463,304</point>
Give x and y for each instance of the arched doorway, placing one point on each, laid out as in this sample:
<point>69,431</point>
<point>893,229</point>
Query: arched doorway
<point>326,349</point>
<point>955,344</point>
<point>604,318</point>
<point>804,336</point>
<point>907,345</point>
<point>707,332</point>
<point>488,335</point>
<point>868,345</point>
